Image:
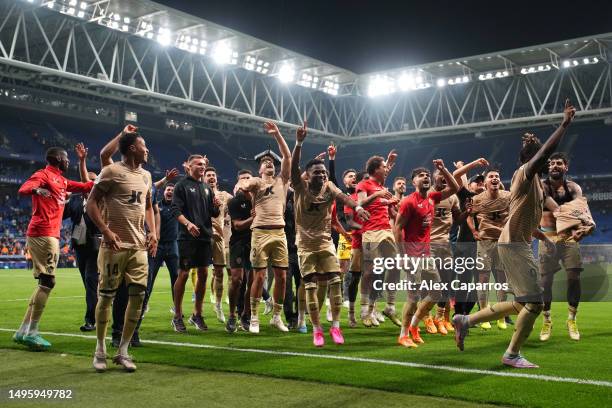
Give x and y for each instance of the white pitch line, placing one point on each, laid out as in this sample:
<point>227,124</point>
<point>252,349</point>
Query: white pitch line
<point>548,378</point>
<point>54,297</point>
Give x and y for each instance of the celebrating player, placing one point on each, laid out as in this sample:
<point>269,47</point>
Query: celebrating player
<point>514,247</point>
<point>119,205</point>
<point>48,188</point>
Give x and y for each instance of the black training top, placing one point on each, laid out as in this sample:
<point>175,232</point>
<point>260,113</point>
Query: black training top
<point>194,200</point>
<point>239,208</point>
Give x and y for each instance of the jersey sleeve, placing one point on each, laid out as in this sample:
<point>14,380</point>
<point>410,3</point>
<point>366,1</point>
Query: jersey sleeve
<point>36,180</point>
<point>78,187</point>
<point>105,179</point>
<point>436,196</point>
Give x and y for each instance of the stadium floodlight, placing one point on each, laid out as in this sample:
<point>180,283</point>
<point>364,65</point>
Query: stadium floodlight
<point>70,11</point>
<point>72,2</point>
<point>83,5</point>
<point>51,4</point>
<point>330,87</point>
<point>309,81</point>
<point>253,63</point>
<point>459,80</point>
<point>441,82</point>
<point>566,64</point>
<point>406,82</point>
<point>81,14</point>
<point>535,69</point>
<point>163,36</point>
<point>223,54</point>
<point>493,74</point>
<point>380,85</point>
<point>286,73</point>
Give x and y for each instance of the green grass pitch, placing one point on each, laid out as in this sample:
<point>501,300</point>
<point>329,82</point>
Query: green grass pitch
<point>218,369</point>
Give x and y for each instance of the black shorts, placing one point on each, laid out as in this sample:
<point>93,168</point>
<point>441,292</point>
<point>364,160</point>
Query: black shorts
<point>194,254</point>
<point>240,254</point>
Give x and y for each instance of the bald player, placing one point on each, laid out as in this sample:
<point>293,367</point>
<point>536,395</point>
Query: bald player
<point>268,240</point>
<point>123,190</point>
<point>514,247</point>
<point>491,209</point>
<point>218,241</point>
<point>314,198</point>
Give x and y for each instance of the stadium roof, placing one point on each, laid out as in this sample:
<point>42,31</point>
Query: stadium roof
<point>179,26</point>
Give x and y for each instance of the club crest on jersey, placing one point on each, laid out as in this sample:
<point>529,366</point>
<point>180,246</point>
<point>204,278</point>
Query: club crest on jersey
<point>269,191</point>
<point>192,189</point>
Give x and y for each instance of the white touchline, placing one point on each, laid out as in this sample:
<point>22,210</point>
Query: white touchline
<point>54,297</point>
<point>360,360</point>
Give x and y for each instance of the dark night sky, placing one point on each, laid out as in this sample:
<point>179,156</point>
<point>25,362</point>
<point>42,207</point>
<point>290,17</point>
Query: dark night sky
<point>365,36</point>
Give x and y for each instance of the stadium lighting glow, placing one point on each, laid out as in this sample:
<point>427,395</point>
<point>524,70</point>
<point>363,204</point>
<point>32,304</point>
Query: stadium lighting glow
<point>70,11</point>
<point>72,3</point>
<point>191,44</point>
<point>163,36</point>
<point>575,63</point>
<point>492,75</point>
<point>308,81</point>
<point>406,82</point>
<point>536,68</point>
<point>330,87</point>
<point>441,82</point>
<point>224,54</point>
<point>459,80</point>
<point>380,85</point>
<point>286,73</point>
<point>255,64</point>
<point>83,5</point>
<point>50,4</point>
<point>81,14</point>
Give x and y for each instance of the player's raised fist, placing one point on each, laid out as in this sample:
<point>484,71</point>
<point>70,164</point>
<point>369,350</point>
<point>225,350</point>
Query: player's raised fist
<point>331,151</point>
<point>438,164</point>
<point>301,132</point>
<point>130,129</point>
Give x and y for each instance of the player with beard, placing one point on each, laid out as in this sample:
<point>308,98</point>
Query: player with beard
<point>491,209</point>
<point>218,242</point>
<point>268,240</point>
<point>48,188</point>
<point>514,247</point>
<point>119,205</point>
<point>314,198</point>
<point>412,232</point>
<point>567,249</point>
<point>446,212</point>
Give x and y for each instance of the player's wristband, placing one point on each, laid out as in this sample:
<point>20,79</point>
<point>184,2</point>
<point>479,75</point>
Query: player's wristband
<point>299,143</point>
<point>357,208</point>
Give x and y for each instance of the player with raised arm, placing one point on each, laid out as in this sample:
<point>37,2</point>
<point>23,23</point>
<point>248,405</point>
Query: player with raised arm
<point>268,240</point>
<point>314,198</point>
<point>490,209</point>
<point>412,232</point>
<point>377,239</point>
<point>119,205</point>
<point>514,247</point>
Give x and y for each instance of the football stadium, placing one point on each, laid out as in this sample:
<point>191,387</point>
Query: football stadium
<point>193,216</point>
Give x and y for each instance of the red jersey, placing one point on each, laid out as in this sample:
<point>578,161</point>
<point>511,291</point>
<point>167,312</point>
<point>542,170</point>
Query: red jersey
<point>47,212</point>
<point>378,209</point>
<point>355,234</point>
<point>419,215</point>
